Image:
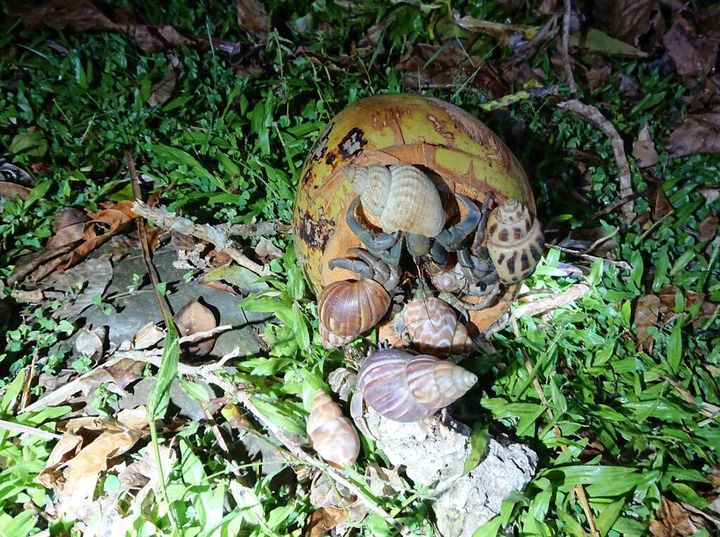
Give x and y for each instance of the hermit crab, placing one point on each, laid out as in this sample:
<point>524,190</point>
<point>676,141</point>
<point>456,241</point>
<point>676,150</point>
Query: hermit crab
<point>404,192</point>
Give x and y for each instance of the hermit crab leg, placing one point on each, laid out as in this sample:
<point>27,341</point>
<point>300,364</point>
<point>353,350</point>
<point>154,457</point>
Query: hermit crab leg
<point>453,237</point>
<point>369,266</point>
<point>377,243</point>
<point>480,232</point>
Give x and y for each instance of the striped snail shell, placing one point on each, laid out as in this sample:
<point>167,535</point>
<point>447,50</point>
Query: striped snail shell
<point>350,307</point>
<point>447,279</point>
<point>514,241</point>
<point>398,198</point>
<point>333,436</point>
<point>403,387</point>
<point>432,326</point>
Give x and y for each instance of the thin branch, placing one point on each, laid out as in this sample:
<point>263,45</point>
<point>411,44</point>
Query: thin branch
<point>18,428</point>
<point>214,235</point>
<point>260,229</point>
<point>589,257</point>
<point>566,59</point>
<point>594,116</point>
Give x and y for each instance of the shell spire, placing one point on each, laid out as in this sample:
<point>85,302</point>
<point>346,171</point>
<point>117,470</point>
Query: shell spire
<point>333,435</point>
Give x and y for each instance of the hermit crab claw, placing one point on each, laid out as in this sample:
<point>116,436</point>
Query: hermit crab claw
<point>369,266</point>
<point>453,237</point>
<point>386,246</point>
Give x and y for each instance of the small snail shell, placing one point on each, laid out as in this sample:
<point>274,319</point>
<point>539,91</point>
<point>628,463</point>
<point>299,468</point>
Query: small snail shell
<point>446,279</point>
<point>432,326</point>
<point>333,435</point>
<point>405,388</point>
<point>350,307</point>
<point>399,198</point>
<point>515,241</point>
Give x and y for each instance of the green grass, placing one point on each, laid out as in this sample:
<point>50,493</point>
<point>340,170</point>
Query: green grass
<point>229,147</point>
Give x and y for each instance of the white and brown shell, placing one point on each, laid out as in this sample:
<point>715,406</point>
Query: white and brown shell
<point>514,241</point>
<point>348,308</point>
<point>432,326</point>
<point>333,436</point>
<point>405,388</point>
<point>398,198</point>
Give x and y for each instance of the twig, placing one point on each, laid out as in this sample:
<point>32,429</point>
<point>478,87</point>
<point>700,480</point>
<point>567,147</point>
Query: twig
<point>205,334</point>
<point>243,397</point>
<point>594,116</point>
<point>538,307</point>
<point>277,227</point>
<point>217,237</point>
<point>567,60</point>
<point>622,264</point>
<point>529,49</point>
<point>579,489</point>
<point>18,428</point>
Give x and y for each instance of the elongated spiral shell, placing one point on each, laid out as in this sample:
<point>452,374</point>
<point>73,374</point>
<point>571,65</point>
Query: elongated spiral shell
<point>432,326</point>
<point>333,435</point>
<point>405,388</point>
<point>399,198</point>
<point>350,307</point>
<point>515,241</point>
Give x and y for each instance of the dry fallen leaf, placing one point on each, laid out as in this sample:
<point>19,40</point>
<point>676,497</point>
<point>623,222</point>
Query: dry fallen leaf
<point>323,520</point>
<point>192,318</point>
<point>647,312</point>
<point>597,77</point>
<point>693,54</point>
<point>696,133</point>
<point>82,455</point>
<point>163,90</point>
<point>659,204</point>
<point>626,19</point>
<point>11,191</point>
<point>708,227</point>
<point>266,250</point>
<point>91,343</point>
<point>252,17</point>
<point>644,149</point>
<point>675,520</point>
<point>448,65</point>
<point>148,336</point>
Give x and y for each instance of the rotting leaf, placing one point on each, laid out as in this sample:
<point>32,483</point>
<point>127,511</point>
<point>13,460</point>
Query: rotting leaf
<point>192,318</point>
<point>708,227</point>
<point>675,520</point>
<point>252,17</point>
<point>597,77</point>
<point>696,133</point>
<point>266,250</point>
<point>647,312</point>
<point>323,520</point>
<point>11,191</point>
<point>84,452</point>
<point>626,19</point>
<point>163,90</point>
<point>693,54</point>
<point>659,203</point>
<point>644,149</point>
<point>448,65</point>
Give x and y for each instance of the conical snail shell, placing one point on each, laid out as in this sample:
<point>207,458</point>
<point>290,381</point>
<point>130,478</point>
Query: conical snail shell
<point>515,241</point>
<point>333,435</point>
<point>405,388</point>
<point>350,307</point>
<point>432,326</point>
<point>399,198</point>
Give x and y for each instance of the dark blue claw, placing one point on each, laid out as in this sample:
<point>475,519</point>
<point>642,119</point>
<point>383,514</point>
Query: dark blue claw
<point>374,242</point>
<point>453,237</point>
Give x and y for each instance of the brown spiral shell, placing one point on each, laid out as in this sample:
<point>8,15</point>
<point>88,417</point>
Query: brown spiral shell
<point>399,198</point>
<point>432,326</point>
<point>350,307</point>
<point>403,387</point>
<point>332,435</point>
<point>514,241</point>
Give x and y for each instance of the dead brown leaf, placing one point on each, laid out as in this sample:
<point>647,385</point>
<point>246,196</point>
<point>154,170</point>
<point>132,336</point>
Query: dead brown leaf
<point>708,227</point>
<point>320,522</point>
<point>597,77</point>
<point>647,311</point>
<point>627,20</point>
<point>192,318</point>
<point>266,250</point>
<point>11,191</point>
<point>156,38</point>
<point>644,149</point>
<point>252,17</point>
<point>675,520</point>
<point>78,15</point>
<point>506,34</point>
<point>693,54</point>
<point>163,90</point>
<point>696,133</point>
<point>82,455</point>
<point>449,65</point>
<point>659,204</point>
